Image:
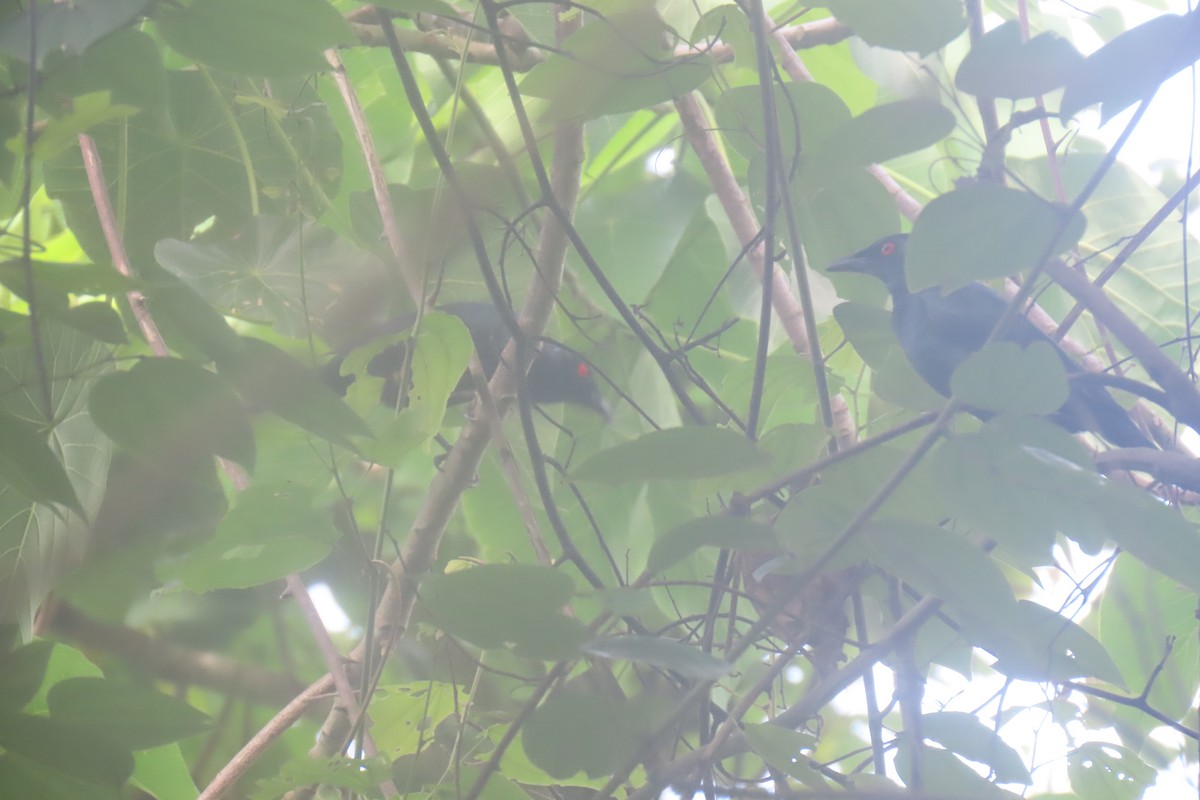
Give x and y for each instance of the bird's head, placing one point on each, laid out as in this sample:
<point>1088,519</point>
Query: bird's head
<point>884,260</point>
<point>559,375</point>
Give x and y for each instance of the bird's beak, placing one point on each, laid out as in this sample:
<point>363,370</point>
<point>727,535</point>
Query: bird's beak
<point>849,264</point>
<point>601,407</point>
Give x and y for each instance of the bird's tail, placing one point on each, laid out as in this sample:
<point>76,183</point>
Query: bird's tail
<point>1109,418</point>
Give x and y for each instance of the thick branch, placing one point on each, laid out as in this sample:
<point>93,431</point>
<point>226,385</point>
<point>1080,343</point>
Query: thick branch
<point>1177,469</point>
<point>173,662</point>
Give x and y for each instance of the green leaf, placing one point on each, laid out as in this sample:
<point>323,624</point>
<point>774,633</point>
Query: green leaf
<point>70,27</point>
<point>1141,611</point>
<point>518,768</point>
<point>128,715</point>
<point>396,706</point>
<point>729,24</point>
<point>22,777</point>
<point>38,544</point>
<point>1023,489</point>
<point>432,224</point>
<point>920,25</point>
<point>616,729</point>
<point>1113,772</point>
<point>1149,287</point>
<point>1006,377</point>
<point>188,322</point>
<point>814,518</point>
<point>96,319</point>
<point>947,566</point>
<point>1131,65</point>
<point>355,777</point>
<point>729,532</point>
<point>168,495</point>
<point>841,211</point>
<point>673,454</point>
<point>869,331</point>
<point>53,281</point>
<point>964,734</point>
<point>943,774</point>
<point>29,465</point>
<point>185,166</point>
<point>21,673</point>
<point>497,604</point>
<point>442,354</point>
<point>781,748</point>
<point>65,662</point>
<point>676,656</point>
<point>635,232</point>
<point>163,773</point>
<point>1001,65</point>
<point>270,271</point>
<point>253,39</point>
<point>272,380</point>
<point>885,131</point>
<point>304,175</point>
<point>127,64</point>
<point>271,532</point>
<point>1054,649</point>
<point>622,65</point>
<point>985,231</point>
<point>69,749</point>
<point>679,299</point>
<point>788,394</point>
<point>938,643</point>
<point>62,132</point>
<point>166,403</point>
<point>1022,481</point>
<point>808,113</point>
<point>1154,532</point>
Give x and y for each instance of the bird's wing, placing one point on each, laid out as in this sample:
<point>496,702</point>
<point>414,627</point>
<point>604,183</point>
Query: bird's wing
<point>939,332</point>
<point>1089,406</point>
<point>978,301</point>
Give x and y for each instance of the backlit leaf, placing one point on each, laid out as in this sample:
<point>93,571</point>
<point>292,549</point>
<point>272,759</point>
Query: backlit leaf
<point>1001,65</point>
<point>985,231</point>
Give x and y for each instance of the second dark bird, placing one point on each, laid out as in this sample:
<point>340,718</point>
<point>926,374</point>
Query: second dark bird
<point>557,374</point>
<point>939,331</point>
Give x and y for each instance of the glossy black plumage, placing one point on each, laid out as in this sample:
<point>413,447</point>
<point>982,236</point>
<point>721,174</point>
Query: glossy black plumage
<point>938,332</point>
<point>557,375</point>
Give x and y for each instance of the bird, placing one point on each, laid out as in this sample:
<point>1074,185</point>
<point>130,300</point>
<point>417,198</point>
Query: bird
<point>557,374</point>
<point>939,331</point>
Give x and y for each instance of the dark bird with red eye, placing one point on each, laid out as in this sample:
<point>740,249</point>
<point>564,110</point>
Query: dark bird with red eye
<point>557,375</point>
<point>939,331</point>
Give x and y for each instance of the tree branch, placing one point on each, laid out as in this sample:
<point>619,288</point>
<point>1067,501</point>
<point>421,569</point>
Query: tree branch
<point>172,662</point>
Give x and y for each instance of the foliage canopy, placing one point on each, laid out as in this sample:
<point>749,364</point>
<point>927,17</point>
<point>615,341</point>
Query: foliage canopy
<point>205,199</point>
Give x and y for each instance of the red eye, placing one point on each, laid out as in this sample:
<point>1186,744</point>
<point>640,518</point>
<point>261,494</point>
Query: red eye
<point>887,249</point>
<point>583,371</point>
